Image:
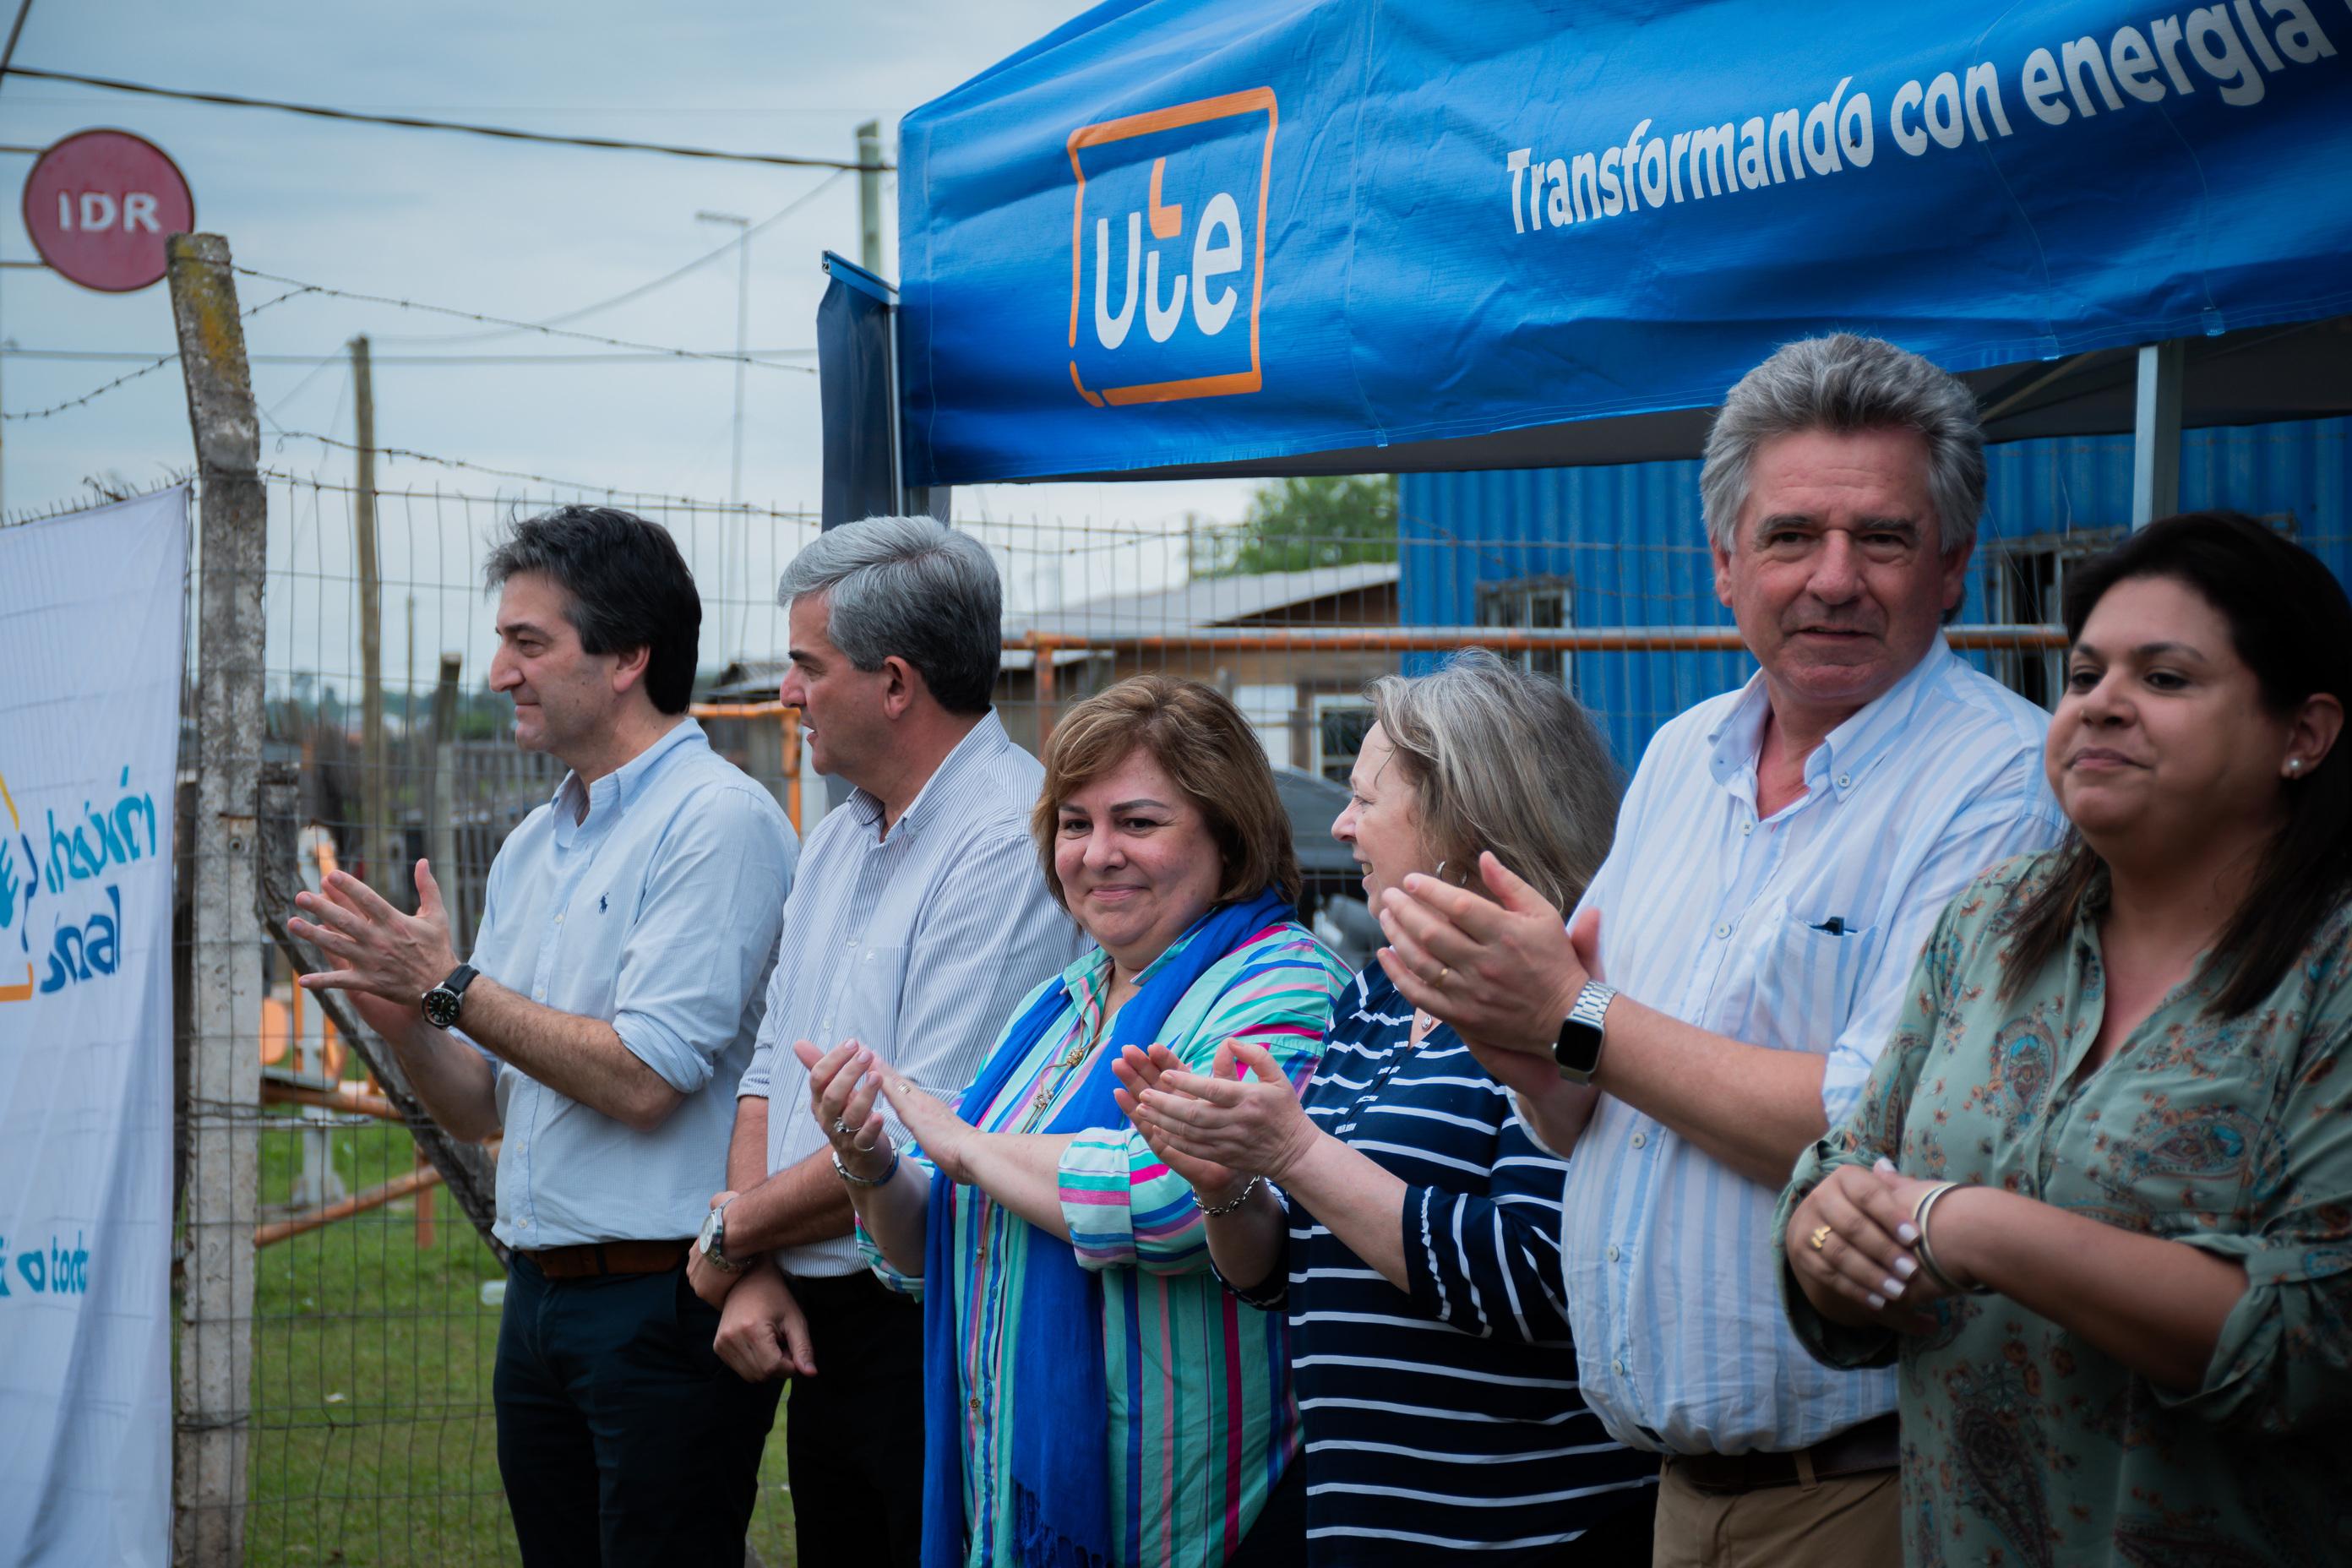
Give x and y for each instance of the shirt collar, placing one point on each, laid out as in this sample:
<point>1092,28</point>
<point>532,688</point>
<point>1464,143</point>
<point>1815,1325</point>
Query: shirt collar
<point>613,793</point>
<point>1847,753</point>
<point>984,739</point>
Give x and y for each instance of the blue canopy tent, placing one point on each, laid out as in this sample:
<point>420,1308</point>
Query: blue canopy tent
<point>1191,238</point>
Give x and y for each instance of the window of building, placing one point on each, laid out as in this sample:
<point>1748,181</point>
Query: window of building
<point>1341,721</point>
<point>2025,585</point>
<point>1534,603</point>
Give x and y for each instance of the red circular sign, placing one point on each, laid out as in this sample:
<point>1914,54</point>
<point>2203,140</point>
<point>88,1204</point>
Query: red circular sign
<point>97,205</point>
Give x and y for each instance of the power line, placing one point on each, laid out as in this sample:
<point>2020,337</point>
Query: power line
<point>114,356</point>
<point>659,351</point>
<point>413,123</point>
<point>269,414</point>
<point>643,288</point>
<point>15,32</point>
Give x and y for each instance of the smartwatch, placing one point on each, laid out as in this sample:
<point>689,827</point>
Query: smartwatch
<point>712,1242</point>
<point>442,1003</point>
<point>1577,1051</point>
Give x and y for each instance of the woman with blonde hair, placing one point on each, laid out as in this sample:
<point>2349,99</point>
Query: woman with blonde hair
<point>1093,1397</point>
<point>1404,1214</point>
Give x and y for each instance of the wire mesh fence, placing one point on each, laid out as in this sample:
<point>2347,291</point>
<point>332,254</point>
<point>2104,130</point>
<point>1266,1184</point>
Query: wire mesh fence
<point>369,1431</point>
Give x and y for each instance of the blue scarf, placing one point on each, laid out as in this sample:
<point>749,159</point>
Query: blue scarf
<point>1061,1487</point>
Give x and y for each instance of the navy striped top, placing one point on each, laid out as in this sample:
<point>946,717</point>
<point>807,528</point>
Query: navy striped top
<point>1448,1418</point>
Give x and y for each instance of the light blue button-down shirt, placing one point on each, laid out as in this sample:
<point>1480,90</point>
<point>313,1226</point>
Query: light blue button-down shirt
<point>658,913</point>
<point>916,944</point>
<point>1799,932</point>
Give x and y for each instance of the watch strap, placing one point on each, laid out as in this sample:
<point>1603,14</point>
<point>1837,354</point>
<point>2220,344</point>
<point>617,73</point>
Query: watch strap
<point>444,1001</point>
<point>1592,1004</point>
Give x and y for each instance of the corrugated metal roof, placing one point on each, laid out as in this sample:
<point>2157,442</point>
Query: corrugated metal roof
<point>1205,601</point>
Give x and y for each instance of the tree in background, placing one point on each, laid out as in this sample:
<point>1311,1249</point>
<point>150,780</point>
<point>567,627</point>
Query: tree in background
<point>1296,523</point>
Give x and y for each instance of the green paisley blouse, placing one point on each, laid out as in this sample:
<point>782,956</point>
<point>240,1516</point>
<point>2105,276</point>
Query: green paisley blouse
<point>2021,1444</point>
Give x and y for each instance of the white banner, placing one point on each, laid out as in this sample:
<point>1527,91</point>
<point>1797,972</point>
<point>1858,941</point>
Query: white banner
<point>91,653</point>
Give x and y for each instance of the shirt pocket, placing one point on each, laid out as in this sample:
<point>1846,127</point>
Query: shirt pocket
<point>865,1007</point>
<point>1809,971</point>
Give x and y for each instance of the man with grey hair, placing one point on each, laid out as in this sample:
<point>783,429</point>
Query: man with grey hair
<point>918,917</point>
<point>1779,861</point>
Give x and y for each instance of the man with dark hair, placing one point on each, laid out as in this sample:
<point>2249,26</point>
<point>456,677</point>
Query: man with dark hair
<point>608,1009</point>
<point>919,918</point>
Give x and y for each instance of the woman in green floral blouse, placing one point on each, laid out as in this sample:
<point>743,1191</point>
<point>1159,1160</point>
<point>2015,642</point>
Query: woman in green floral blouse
<point>2098,1194</point>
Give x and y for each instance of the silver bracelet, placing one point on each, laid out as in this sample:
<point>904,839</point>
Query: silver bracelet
<point>1935,1272</point>
<point>1236,1201</point>
<point>855,1180</point>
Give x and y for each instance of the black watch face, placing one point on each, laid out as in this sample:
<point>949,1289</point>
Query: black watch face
<point>441,1007</point>
<point>1578,1047</point>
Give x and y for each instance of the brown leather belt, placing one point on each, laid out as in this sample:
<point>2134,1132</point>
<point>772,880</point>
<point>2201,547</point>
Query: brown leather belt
<point>1856,1451</point>
<point>590,1260</point>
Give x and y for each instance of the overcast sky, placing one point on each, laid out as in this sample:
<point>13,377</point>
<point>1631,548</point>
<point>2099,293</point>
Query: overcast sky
<point>515,230</point>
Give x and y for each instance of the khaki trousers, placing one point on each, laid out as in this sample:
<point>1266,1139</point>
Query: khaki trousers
<point>1853,1521</point>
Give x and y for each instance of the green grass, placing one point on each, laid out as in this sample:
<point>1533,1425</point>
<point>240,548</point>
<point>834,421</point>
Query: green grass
<point>372,1439</point>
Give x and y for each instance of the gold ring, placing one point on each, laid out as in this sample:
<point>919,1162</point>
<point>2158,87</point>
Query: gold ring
<point>1443,973</point>
<point>1821,1234</point>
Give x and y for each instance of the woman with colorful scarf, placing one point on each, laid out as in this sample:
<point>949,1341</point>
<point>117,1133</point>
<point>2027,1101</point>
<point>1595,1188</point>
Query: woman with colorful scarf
<point>1094,1397</point>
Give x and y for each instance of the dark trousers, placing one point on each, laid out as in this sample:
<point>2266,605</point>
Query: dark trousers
<point>854,1433</point>
<point>623,1438</point>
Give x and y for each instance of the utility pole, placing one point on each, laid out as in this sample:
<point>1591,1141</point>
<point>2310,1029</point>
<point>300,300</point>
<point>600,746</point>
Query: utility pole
<point>223,1091</point>
<point>376,844</point>
<point>869,196</point>
<point>742,338</point>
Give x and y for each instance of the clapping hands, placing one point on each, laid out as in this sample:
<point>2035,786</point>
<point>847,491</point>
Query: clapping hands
<point>1852,1246</point>
<point>1215,1129</point>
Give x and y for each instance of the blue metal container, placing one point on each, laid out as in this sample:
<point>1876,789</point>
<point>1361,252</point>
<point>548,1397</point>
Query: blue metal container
<point>1624,546</point>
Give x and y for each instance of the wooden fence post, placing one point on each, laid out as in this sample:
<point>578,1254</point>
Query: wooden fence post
<point>224,1081</point>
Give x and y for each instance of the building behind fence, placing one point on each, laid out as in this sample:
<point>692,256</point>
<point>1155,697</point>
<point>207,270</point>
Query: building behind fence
<point>358,1380</point>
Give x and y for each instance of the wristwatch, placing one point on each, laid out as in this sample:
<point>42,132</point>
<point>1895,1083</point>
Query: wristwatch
<point>712,1242</point>
<point>442,1003</point>
<point>1577,1051</point>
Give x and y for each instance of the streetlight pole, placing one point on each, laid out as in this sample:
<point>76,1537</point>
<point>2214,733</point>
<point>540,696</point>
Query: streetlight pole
<point>742,330</point>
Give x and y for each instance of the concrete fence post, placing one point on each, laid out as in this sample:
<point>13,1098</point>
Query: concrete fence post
<point>224,1079</point>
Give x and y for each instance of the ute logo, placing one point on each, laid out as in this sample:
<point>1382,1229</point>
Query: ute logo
<point>1168,250</point>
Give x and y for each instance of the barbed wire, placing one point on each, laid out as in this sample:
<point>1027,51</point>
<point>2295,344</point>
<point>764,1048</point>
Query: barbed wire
<point>661,349</point>
<point>149,369</point>
<point>744,509</point>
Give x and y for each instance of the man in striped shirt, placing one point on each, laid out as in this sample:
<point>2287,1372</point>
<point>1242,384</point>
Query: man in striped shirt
<point>919,918</point>
<point>1780,858</point>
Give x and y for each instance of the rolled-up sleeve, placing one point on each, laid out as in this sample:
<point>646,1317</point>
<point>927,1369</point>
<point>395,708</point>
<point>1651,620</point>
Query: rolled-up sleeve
<point>1485,1263</point>
<point>1868,1133</point>
<point>1125,1208</point>
<point>705,934</point>
<point>2284,1363</point>
<point>1998,825</point>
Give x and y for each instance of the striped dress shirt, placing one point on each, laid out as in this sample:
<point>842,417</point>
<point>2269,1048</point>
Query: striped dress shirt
<point>917,945</point>
<point>1794,933</point>
<point>1201,1422</point>
<point>1444,1419</point>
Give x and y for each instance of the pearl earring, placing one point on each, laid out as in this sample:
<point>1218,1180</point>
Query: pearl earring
<point>2293,766</point>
